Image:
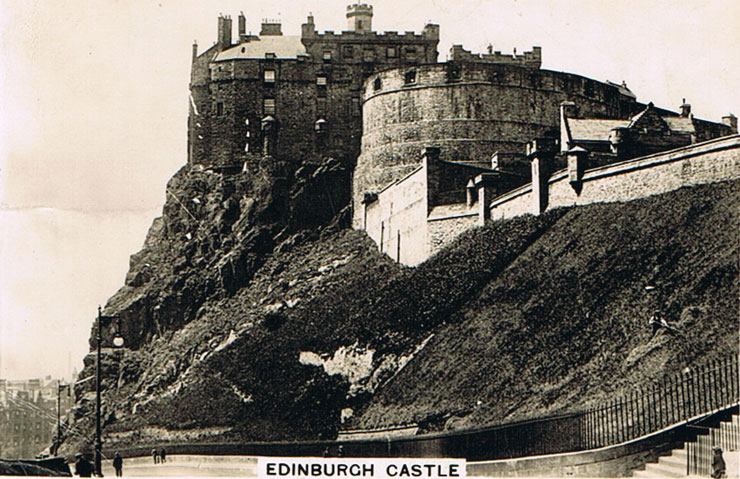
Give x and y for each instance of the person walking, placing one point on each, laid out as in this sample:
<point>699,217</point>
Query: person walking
<point>83,467</point>
<point>118,465</point>
<point>162,455</point>
<point>155,456</point>
<point>718,463</point>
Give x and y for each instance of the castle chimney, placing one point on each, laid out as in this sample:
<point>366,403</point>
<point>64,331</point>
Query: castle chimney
<point>541,152</point>
<point>195,50</point>
<point>360,18</point>
<point>685,108</point>
<point>731,121</point>
<point>224,31</point>
<point>490,49</point>
<point>271,28</point>
<point>242,24</point>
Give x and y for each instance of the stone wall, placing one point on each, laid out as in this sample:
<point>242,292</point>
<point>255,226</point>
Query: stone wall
<point>397,220</point>
<point>469,111</point>
<point>708,162</point>
<point>445,224</point>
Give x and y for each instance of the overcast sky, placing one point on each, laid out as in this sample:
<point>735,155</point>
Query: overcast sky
<point>93,108</point>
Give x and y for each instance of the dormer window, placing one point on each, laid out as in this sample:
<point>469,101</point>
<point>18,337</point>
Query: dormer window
<point>269,55</point>
<point>410,77</point>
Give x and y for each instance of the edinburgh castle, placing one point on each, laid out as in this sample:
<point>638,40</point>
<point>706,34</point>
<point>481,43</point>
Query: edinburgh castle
<point>376,101</point>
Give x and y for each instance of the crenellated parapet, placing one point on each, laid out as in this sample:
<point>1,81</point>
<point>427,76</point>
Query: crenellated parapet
<point>532,59</point>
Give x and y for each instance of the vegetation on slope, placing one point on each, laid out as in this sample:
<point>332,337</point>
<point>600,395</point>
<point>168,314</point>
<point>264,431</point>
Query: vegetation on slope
<point>516,319</point>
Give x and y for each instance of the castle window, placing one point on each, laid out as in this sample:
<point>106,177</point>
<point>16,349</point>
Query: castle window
<point>347,51</point>
<point>368,55</point>
<point>391,52</point>
<point>219,108</point>
<point>327,56</point>
<point>268,106</point>
<point>269,76</point>
<point>377,84</point>
<point>410,77</point>
<point>355,108</point>
<point>410,52</point>
<point>321,80</point>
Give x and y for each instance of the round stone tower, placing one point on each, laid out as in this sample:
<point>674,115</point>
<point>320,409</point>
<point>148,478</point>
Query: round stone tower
<point>469,110</point>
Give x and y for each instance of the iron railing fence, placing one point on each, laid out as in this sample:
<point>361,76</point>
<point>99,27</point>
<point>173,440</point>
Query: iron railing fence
<point>694,393</point>
<point>700,454</point>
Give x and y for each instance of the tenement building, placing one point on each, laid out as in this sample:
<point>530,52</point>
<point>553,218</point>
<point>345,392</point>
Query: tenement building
<point>437,147</point>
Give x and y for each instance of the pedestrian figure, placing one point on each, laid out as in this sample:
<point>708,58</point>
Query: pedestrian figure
<point>340,451</point>
<point>83,467</point>
<point>163,455</point>
<point>656,322</point>
<point>718,463</point>
<point>118,465</point>
<point>155,456</point>
<point>326,452</point>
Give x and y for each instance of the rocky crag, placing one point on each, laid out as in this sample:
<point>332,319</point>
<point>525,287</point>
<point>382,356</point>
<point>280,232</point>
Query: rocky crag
<point>253,313</point>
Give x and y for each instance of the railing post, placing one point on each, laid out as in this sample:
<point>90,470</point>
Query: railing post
<point>684,415</point>
<point>643,409</point>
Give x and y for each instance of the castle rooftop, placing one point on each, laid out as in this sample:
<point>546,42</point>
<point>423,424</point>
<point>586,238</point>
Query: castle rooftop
<point>284,46</point>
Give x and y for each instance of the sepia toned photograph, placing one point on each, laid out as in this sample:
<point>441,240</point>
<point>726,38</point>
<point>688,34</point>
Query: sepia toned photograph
<point>410,239</point>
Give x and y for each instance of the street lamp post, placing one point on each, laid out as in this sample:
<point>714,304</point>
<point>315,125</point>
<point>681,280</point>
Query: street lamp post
<point>118,342</point>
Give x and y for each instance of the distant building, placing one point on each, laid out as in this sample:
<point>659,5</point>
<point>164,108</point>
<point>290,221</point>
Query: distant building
<point>28,415</point>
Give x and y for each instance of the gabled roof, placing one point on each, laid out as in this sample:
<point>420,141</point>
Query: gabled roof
<point>283,46</point>
<point>593,129</point>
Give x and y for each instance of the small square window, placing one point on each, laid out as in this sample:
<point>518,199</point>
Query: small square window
<point>219,108</point>
<point>327,56</point>
<point>348,51</point>
<point>410,77</point>
<point>321,80</point>
<point>368,55</point>
<point>270,76</point>
<point>268,106</point>
<point>355,108</point>
<point>391,52</point>
<point>411,52</point>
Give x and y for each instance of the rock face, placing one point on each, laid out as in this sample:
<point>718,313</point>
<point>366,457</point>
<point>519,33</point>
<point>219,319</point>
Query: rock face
<point>252,313</point>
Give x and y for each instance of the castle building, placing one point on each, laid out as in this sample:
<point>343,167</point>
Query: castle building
<point>436,147</point>
<point>292,98</point>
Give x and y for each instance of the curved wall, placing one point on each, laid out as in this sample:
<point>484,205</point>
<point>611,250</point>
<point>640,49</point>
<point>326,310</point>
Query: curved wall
<point>469,110</point>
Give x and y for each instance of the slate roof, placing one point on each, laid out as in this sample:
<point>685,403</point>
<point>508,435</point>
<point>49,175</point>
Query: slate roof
<point>680,124</point>
<point>283,46</point>
<point>593,129</point>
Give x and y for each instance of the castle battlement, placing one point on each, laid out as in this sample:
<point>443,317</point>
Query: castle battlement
<point>531,59</point>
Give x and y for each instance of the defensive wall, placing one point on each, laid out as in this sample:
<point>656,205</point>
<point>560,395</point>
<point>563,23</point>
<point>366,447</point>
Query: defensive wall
<point>409,228</point>
<point>708,162</point>
<point>469,110</point>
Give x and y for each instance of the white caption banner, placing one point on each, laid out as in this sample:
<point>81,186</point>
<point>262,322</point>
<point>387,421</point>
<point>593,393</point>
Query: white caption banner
<point>350,467</point>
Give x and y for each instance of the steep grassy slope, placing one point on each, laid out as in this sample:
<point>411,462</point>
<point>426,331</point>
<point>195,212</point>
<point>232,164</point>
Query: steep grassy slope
<point>566,323</point>
<point>516,319</point>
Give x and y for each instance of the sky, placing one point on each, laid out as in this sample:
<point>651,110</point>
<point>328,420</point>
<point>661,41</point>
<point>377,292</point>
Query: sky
<point>93,111</point>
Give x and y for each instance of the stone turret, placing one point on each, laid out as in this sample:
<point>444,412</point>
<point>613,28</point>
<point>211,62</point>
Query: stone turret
<point>360,18</point>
